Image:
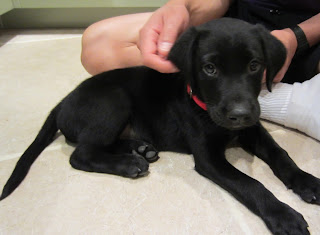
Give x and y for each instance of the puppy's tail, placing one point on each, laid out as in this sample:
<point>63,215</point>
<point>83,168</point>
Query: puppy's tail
<point>43,139</point>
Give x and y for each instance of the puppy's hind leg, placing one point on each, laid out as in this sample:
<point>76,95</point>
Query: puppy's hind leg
<point>140,147</point>
<point>92,158</point>
<point>95,151</point>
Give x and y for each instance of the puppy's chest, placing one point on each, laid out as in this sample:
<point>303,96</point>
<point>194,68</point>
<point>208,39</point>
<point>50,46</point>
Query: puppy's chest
<point>171,127</point>
<point>161,127</point>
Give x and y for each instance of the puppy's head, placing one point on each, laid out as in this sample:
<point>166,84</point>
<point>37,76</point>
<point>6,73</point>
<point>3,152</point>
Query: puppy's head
<point>223,61</point>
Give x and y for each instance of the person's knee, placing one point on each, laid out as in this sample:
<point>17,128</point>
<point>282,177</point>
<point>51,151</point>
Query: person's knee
<point>96,45</point>
<point>105,46</point>
<point>112,43</point>
<point>101,43</point>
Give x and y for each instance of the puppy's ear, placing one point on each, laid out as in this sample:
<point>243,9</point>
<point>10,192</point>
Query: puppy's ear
<point>182,52</point>
<point>274,52</point>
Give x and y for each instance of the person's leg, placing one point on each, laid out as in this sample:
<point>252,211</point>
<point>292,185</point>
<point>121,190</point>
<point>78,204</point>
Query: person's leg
<point>112,43</point>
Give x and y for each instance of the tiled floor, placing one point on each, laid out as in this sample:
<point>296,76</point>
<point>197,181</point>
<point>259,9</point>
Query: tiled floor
<point>37,69</point>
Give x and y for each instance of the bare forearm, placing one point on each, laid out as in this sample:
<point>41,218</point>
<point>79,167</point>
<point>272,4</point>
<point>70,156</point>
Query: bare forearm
<point>202,11</point>
<point>311,28</point>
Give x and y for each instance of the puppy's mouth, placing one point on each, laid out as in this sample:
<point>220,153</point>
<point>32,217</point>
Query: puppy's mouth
<point>235,119</point>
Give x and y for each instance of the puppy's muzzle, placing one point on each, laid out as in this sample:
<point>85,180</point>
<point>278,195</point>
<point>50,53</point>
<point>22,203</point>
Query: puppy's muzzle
<point>240,117</point>
<point>234,117</point>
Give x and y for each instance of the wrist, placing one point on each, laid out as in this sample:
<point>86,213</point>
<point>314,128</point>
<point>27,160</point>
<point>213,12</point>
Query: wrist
<point>301,39</point>
<point>179,2</point>
<point>204,10</point>
<point>288,39</point>
<point>190,5</point>
<point>291,40</point>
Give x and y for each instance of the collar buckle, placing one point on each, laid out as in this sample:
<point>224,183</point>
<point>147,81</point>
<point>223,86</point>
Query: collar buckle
<point>199,102</point>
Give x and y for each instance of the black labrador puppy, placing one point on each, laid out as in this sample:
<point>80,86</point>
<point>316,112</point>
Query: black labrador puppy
<point>210,102</point>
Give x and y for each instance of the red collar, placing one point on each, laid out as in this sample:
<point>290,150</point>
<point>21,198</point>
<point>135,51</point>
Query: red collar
<point>199,102</point>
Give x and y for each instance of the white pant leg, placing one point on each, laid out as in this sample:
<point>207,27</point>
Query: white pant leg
<point>296,106</point>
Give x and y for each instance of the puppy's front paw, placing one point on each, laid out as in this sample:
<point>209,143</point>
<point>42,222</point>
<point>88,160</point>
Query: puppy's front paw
<point>282,219</point>
<point>307,187</point>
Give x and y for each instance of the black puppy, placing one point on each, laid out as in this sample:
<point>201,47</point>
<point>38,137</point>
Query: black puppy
<point>211,101</point>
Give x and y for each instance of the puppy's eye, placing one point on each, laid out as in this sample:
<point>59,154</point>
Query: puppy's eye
<point>210,69</point>
<point>254,66</point>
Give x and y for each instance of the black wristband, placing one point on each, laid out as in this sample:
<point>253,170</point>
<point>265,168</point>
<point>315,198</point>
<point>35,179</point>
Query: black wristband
<point>302,41</point>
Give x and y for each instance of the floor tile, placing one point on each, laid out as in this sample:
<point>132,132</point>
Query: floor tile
<point>37,69</point>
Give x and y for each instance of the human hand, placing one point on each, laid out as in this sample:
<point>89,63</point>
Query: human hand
<point>159,33</point>
<point>288,39</point>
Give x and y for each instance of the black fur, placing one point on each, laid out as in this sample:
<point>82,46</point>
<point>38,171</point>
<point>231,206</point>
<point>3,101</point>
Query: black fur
<point>223,61</point>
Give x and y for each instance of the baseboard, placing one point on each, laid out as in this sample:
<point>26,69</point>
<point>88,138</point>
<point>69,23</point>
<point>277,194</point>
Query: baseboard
<point>62,17</point>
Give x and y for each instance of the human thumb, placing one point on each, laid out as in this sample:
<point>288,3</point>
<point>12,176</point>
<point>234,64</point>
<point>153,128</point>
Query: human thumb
<point>167,38</point>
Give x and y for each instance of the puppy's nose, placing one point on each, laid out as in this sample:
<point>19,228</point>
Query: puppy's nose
<point>239,115</point>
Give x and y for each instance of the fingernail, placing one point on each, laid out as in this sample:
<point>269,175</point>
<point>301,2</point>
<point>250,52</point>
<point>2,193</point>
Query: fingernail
<point>165,46</point>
